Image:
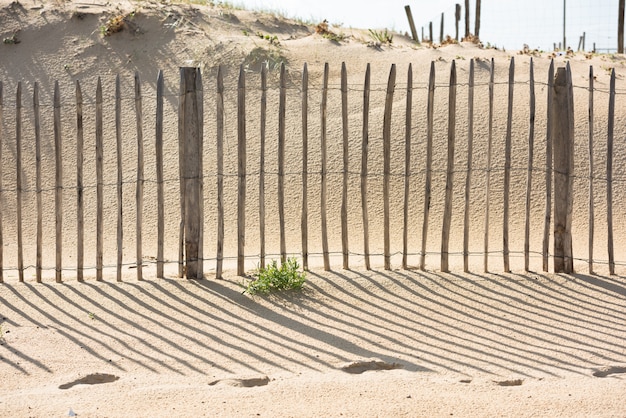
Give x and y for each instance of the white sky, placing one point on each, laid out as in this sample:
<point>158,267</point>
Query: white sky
<point>508,23</point>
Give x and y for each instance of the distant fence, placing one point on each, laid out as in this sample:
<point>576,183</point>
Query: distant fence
<point>306,169</point>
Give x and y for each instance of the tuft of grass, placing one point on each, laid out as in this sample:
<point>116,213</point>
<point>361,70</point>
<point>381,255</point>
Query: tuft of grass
<point>273,278</point>
<point>11,40</point>
<point>323,29</point>
<point>382,36</point>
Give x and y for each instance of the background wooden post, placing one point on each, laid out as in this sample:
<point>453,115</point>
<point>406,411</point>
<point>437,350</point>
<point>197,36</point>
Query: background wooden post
<point>430,32</point>
<point>457,18</point>
<point>620,27</point>
<point>441,30</point>
<point>191,170</point>
<point>467,18</point>
<point>409,16</point>
<point>563,137</point>
<point>477,21</point>
<point>447,213</point>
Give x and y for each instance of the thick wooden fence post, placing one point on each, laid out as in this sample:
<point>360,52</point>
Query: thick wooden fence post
<point>467,18</point>
<point>409,16</point>
<point>457,18</point>
<point>477,20</point>
<point>191,120</point>
<point>620,27</point>
<point>441,30</point>
<point>563,136</point>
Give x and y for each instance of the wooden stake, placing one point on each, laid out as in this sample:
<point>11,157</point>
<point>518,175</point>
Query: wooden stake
<point>241,172</point>
<point>407,165</point>
<point>447,213</point>
<point>323,110</point>
<point>507,168</point>
<point>99,184</point>
<point>18,191</point>
<point>548,208</point>
<point>609,173</point>
<point>409,16</point>
<point>38,264</point>
<point>468,178</point>
<point>220,173</point>
<point>591,171</point>
<point>344,193</point>
<point>140,176</point>
<point>305,157</point>
<point>364,155</point>
<point>429,161</point>
<point>120,177</point>
<point>488,175</point>
<point>529,178</point>
<point>262,163</point>
<point>391,85</point>
<point>281,162</point>
<point>80,191</point>
<point>158,145</point>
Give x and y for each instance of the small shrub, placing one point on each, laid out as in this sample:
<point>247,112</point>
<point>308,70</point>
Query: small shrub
<point>11,40</point>
<point>383,36</point>
<point>322,29</point>
<point>274,278</point>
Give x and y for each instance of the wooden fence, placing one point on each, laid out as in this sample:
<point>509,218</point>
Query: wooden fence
<point>193,173</point>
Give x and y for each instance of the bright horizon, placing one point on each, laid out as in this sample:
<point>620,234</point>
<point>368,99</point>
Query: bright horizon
<point>538,23</point>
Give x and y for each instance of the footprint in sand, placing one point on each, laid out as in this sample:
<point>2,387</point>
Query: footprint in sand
<point>609,370</point>
<point>248,382</point>
<point>512,382</point>
<point>361,366</point>
<point>92,379</point>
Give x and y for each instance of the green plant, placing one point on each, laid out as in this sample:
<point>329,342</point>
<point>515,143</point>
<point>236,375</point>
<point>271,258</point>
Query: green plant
<point>11,40</point>
<point>92,316</point>
<point>383,36</point>
<point>275,278</point>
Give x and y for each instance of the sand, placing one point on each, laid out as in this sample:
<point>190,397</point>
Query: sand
<point>353,342</point>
